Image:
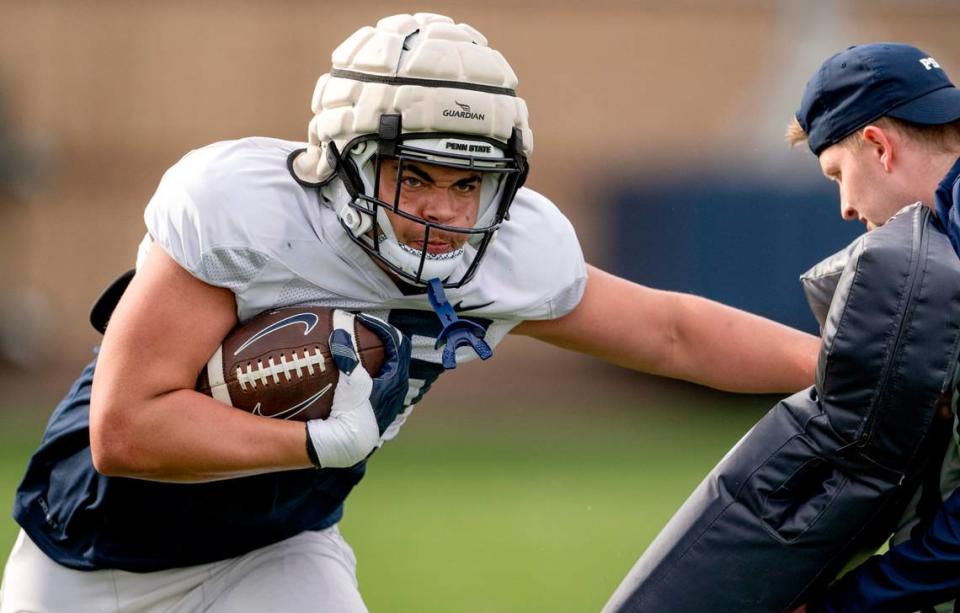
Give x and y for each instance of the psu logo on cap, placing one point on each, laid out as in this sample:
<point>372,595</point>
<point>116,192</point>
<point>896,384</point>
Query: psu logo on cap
<point>929,63</point>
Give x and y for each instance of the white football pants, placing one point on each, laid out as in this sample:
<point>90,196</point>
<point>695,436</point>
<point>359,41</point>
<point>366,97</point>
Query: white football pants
<point>313,571</point>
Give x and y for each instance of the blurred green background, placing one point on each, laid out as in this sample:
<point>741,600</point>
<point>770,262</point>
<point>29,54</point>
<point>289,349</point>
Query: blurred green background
<point>519,509</point>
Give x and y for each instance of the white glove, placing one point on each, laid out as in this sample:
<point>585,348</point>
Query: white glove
<point>350,433</point>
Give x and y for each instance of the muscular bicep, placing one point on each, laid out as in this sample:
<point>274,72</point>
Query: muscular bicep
<point>146,420</point>
<point>164,329</point>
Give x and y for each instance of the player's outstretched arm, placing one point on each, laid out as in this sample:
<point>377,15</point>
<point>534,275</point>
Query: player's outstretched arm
<point>681,336</point>
<point>146,420</point>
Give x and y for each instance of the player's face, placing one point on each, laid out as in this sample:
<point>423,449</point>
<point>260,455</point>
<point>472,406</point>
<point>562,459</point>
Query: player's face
<point>867,193</point>
<point>437,194</point>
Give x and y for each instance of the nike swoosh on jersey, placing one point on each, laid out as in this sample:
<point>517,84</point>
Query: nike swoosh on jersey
<point>296,409</point>
<point>309,321</point>
<point>459,308</point>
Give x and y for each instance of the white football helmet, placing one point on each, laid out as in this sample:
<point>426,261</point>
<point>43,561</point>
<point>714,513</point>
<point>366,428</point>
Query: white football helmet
<point>416,89</point>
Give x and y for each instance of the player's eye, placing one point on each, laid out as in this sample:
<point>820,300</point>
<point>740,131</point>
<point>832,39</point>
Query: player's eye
<point>411,181</point>
<point>466,186</point>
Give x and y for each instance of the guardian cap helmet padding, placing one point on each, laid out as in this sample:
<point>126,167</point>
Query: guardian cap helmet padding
<point>416,88</point>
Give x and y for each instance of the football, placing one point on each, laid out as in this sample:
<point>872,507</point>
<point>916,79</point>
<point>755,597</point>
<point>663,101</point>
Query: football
<point>278,364</point>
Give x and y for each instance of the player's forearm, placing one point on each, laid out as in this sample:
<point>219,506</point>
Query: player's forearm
<point>185,436</point>
<point>681,336</point>
<point>730,349</point>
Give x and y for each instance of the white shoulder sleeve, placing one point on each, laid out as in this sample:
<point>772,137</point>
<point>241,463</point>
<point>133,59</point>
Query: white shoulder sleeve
<point>537,259</point>
<point>192,218</point>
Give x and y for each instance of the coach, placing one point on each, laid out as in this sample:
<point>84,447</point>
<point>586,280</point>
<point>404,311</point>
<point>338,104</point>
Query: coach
<point>884,121</point>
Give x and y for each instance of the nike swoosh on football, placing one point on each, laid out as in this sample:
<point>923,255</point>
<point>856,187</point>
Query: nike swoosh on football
<point>296,409</point>
<point>459,308</point>
<point>309,321</point>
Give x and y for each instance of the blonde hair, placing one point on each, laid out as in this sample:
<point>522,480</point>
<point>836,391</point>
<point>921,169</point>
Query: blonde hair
<point>942,138</point>
<point>795,134</point>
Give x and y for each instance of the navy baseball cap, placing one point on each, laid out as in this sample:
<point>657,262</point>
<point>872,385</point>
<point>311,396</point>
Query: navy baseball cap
<point>866,82</point>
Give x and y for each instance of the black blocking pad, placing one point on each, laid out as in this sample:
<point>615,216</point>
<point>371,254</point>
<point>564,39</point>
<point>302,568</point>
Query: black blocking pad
<point>822,479</point>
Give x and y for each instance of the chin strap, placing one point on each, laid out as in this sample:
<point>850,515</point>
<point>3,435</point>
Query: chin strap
<point>456,332</point>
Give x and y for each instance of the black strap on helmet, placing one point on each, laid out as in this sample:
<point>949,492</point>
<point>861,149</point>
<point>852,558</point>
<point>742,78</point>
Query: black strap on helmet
<point>387,135</point>
<point>346,170</point>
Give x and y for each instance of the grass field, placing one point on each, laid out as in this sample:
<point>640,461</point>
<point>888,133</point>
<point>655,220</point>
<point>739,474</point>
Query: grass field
<point>509,512</point>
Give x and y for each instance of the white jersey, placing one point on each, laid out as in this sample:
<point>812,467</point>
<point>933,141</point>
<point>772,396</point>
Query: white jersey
<point>233,216</point>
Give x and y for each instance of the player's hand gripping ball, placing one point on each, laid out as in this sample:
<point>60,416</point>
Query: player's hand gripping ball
<point>278,364</point>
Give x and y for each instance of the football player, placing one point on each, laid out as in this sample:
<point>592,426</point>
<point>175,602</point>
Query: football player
<point>406,203</point>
